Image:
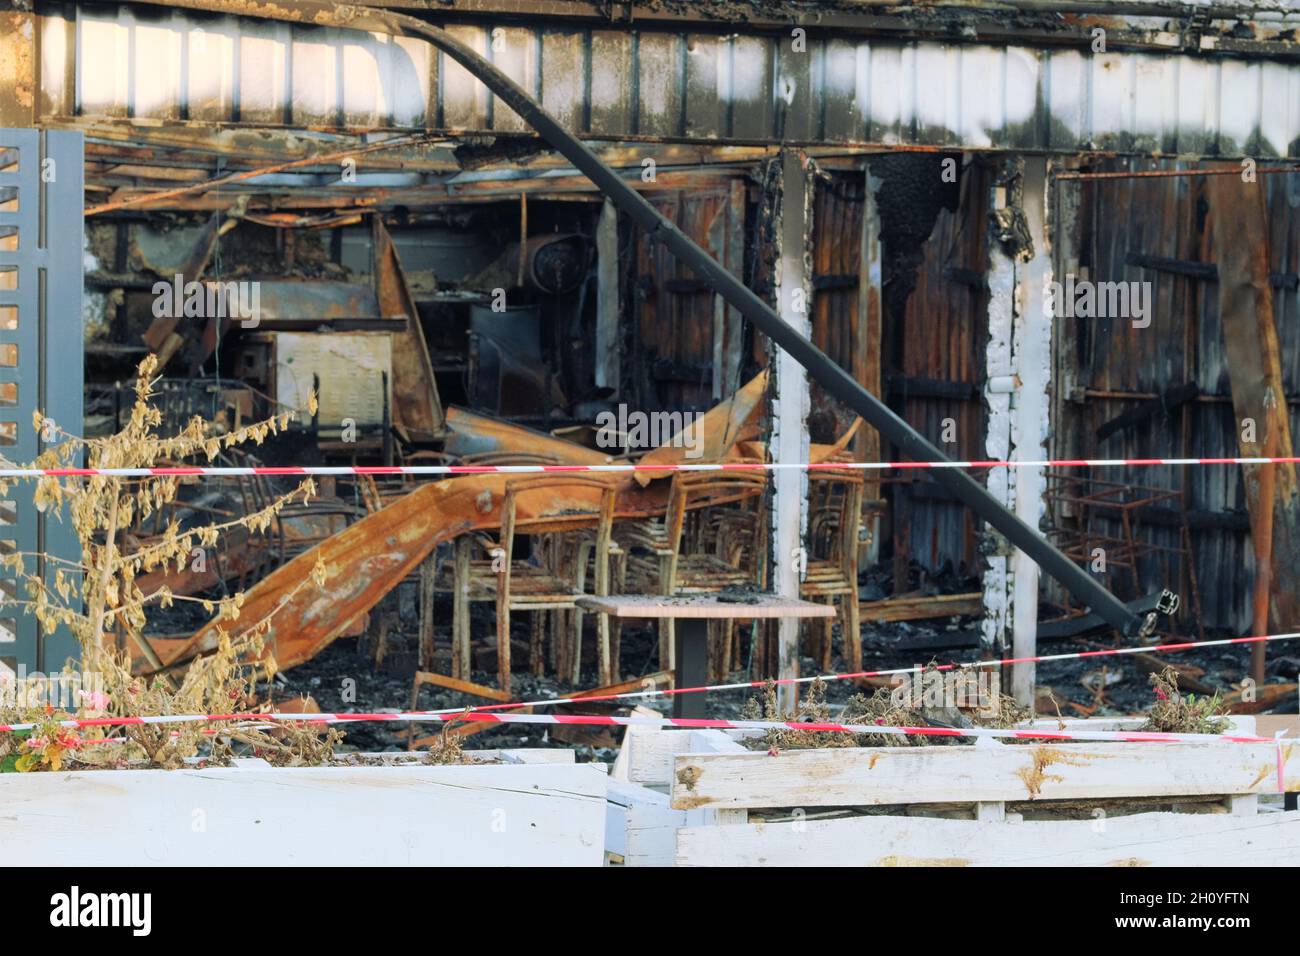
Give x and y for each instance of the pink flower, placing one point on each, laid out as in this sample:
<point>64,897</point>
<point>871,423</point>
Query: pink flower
<point>95,700</point>
<point>1160,693</point>
<point>37,743</point>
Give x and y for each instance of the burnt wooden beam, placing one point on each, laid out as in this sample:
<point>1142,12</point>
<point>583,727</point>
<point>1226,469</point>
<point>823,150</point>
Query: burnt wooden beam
<point>1204,271</point>
<point>831,283</point>
<point>918,607</point>
<point>968,277</point>
<point>1173,398</point>
<point>1060,630</point>
<point>909,386</point>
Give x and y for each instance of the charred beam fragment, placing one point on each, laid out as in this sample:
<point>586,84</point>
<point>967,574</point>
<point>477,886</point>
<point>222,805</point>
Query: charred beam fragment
<point>1204,271</point>
<point>1173,398</point>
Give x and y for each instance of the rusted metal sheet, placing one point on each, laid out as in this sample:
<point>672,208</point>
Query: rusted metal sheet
<point>371,557</point>
<point>1250,343</point>
<point>18,67</point>
<point>1106,367</point>
<point>839,205</point>
<point>934,376</point>
<point>416,405</point>
<point>651,80</point>
<point>689,339</point>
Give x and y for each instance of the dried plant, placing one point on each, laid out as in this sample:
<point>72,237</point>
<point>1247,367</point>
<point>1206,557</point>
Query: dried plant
<point>98,597</point>
<point>1175,712</point>
<point>885,708</point>
<point>879,708</point>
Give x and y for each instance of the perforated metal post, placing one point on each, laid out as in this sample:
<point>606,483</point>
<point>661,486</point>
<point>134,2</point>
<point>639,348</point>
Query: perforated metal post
<point>41,357</point>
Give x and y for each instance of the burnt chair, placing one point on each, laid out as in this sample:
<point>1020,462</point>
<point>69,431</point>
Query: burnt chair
<point>545,585</point>
<point>834,522</point>
<point>471,579</point>
<point>724,548</point>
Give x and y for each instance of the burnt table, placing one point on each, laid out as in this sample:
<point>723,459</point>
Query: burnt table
<point>691,648</point>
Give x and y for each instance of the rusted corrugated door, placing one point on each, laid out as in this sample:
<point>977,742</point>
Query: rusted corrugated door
<point>1157,230</point>
<point>837,263</point>
<point>934,379</point>
<point>688,348</point>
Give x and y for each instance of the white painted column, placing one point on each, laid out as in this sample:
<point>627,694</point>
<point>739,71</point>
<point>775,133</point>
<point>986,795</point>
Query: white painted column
<point>1029,423</point>
<point>998,387</point>
<point>1018,372</point>
<point>790,407</point>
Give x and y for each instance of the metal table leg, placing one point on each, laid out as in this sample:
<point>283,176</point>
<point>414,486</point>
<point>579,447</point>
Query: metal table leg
<point>692,652</point>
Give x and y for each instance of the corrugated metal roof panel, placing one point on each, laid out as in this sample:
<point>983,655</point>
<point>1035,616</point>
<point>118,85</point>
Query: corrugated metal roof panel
<point>661,83</point>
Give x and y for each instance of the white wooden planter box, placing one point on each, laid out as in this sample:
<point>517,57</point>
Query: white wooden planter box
<point>519,813</point>
<point>947,805</point>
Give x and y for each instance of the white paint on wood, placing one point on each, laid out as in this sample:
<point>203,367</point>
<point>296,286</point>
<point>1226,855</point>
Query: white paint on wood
<point>514,815</point>
<point>789,441</point>
<point>1148,839</point>
<point>621,769</point>
<point>1242,724</point>
<point>997,435</point>
<point>1032,359</point>
<point>652,754</point>
<point>896,775</point>
<point>641,827</point>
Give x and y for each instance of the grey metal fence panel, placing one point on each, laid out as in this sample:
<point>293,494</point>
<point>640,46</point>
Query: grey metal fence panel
<point>41,356</point>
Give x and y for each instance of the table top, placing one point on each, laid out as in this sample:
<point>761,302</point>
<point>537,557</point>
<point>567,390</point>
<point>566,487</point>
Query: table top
<point>744,605</point>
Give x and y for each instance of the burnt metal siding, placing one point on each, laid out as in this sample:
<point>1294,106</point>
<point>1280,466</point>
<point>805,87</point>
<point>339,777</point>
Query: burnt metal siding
<point>41,341</point>
<point>120,61</point>
<point>839,204</point>
<point>683,331</point>
<point>1168,217</point>
<point>942,340</point>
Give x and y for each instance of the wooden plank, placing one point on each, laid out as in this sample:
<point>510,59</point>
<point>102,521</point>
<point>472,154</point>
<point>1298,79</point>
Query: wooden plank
<point>922,607</point>
<point>869,776</point>
<point>507,755</point>
<point>1148,839</point>
<point>642,828</point>
<point>1245,726</point>
<point>704,606</point>
<point>464,686</point>
<point>651,754</point>
<point>455,815</point>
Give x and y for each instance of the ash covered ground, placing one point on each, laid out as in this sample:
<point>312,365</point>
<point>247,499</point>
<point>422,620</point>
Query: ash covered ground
<point>1127,689</point>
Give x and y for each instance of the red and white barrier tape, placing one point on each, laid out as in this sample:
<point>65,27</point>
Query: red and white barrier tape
<point>683,722</point>
<point>889,672</point>
<point>445,470</point>
<point>589,698</point>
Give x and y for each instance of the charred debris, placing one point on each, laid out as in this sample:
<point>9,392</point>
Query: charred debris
<point>460,277</point>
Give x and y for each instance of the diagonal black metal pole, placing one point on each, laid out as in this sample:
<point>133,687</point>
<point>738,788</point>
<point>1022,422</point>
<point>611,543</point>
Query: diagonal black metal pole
<point>826,372</point>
